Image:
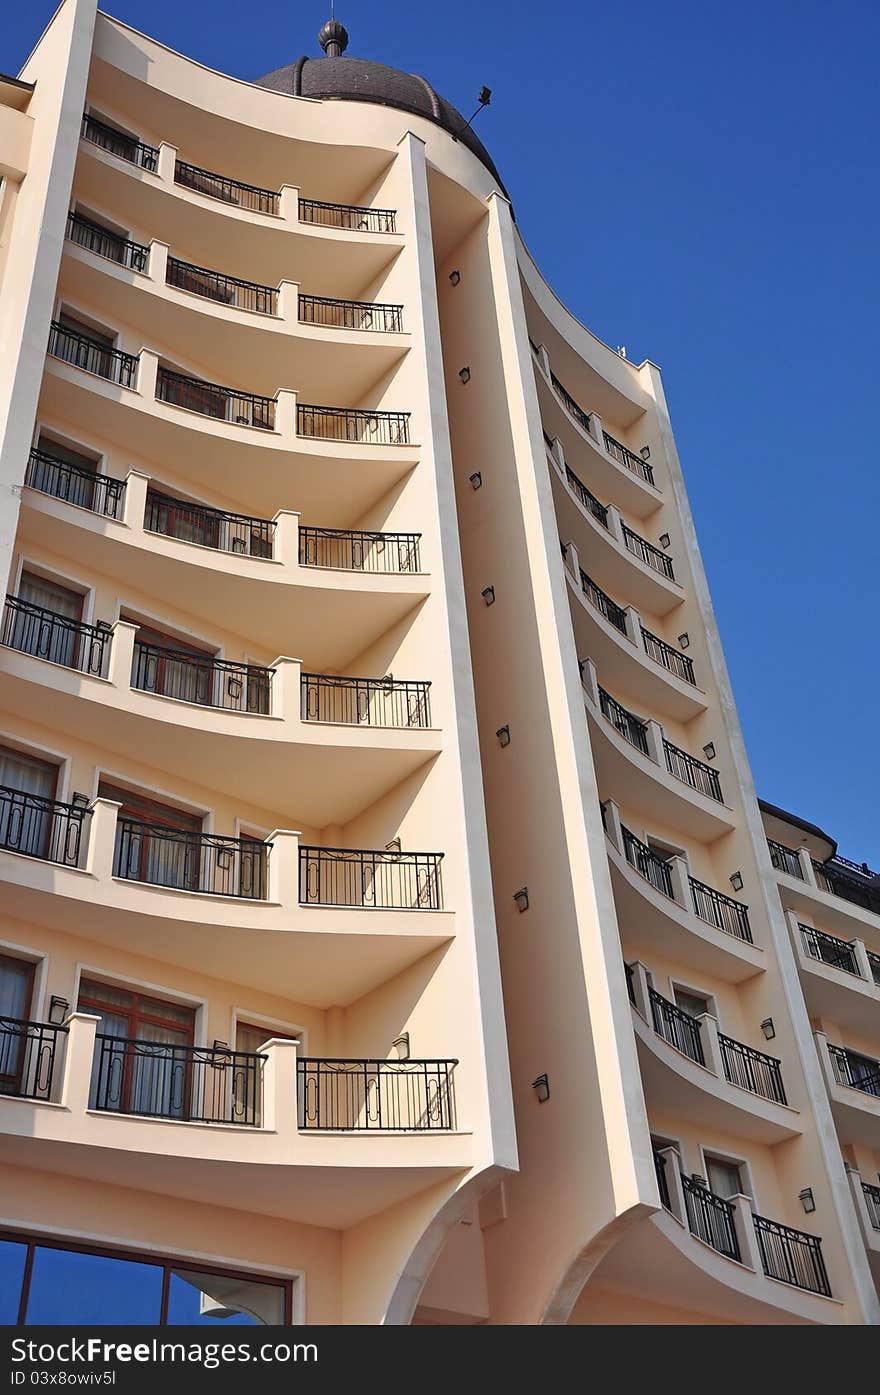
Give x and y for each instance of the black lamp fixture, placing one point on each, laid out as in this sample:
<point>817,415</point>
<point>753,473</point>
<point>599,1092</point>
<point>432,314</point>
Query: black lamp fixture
<point>476,480</point>
<point>684,639</point>
<point>736,881</point>
<point>503,734</point>
<point>521,898</point>
<point>807,1200</point>
<point>768,1028</point>
<point>393,846</point>
<point>219,1045</point>
<point>455,276</point>
<point>541,1087</point>
<point>464,374</point>
<point>488,594</point>
<point>401,1046</point>
<point>58,1009</point>
<point>484,97</point>
<point>645,452</point>
<point>664,539</point>
<point>709,750</point>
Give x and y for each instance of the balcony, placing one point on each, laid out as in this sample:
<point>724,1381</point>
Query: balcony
<point>32,629</point>
<point>214,400</point>
<point>353,425</point>
<point>30,1053</point>
<point>226,290</point>
<point>356,550</point>
<point>348,217</point>
<point>379,702</point>
<point>624,456</point>
<point>329,313</point>
<point>648,553</point>
<point>840,978</point>
<point>853,1083</point>
<point>47,829</point>
<point>118,143</point>
<point>189,1084</point>
<point>855,1071</point>
<point>377,1096</point>
<point>195,862</point>
<point>208,682</point>
<point>206,527</point>
<point>84,233</point>
<point>668,657</point>
<point>613,613</point>
<point>743,1066</point>
<point>850,882</point>
<point>872,1201</point>
<point>701,777</point>
<point>370,879</point>
<point>836,891</point>
<point>230,191</point>
<point>83,488</point>
<point>92,356</point>
<point>785,859</point>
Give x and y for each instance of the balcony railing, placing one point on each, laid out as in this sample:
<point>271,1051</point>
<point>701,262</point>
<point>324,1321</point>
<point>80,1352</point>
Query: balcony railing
<point>676,1027</point>
<point>710,1218</point>
<point>217,186</point>
<point>330,313</point>
<point>347,216</point>
<point>752,1070</point>
<point>693,772</point>
<point>43,828</point>
<point>104,243</point>
<point>353,550</point>
<point>363,877</point>
<point>624,456</point>
<point>377,702</point>
<point>872,1201</point>
<point>614,613</point>
<point>646,862</point>
<point>670,658</point>
<point>837,877</point>
<point>161,1080</point>
<point>874,961</point>
<point>183,861</point>
<point>829,950</point>
<point>649,554</point>
<point>353,424</point>
<point>118,143</point>
<point>227,290</point>
<point>213,400</point>
<point>214,528</point>
<point>29,1052</point>
<point>589,501</point>
<point>75,484</point>
<point>573,408</point>
<point>404,1096</point>
<point>92,356</point>
<point>785,859</point>
<point>721,911</point>
<point>630,727</point>
<point>857,1071</point>
<point>33,629</point>
<point>792,1256</point>
<point>208,682</point>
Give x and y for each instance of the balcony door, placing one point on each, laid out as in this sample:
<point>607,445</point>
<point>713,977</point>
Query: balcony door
<point>43,635</point>
<point>16,992</point>
<point>725,1178</point>
<point>95,355</point>
<point>169,666</point>
<point>154,841</point>
<point>25,819</point>
<point>76,484</point>
<point>248,1077</point>
<point>142,1064</point>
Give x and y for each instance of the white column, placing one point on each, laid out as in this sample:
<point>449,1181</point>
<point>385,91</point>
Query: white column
<point>863,963</point>
<point>572,561</point>
<point>612,824</point>
<point>288,203</point>
<point>158,265</point>
<point>615,524</point>
<point>285,544</point>
<point>806,862</point>
<point>590,681</point>
<point>79,1054</point>
<point>288,303</point>
<point>122,654</point>
<point>654,741</point>
<point>672,1174</point>
<point>166,162</point>
<point>148,369</point>
<point>558,453</point>
<point>596,427</point>
<point>711,1044</point>
<point>136,485</point>
<point>681,883</point>
<point>279,1087</point>
<point>825,1061</point>
<point>285,412</point>
<point>284,868</point>
<point>640,990</point>
<point>544,360</point>
<point>285,701</point>
<point>102,838</point>
<point>744,1225</point>
<point>633,627</point>
<point>872,1236</point>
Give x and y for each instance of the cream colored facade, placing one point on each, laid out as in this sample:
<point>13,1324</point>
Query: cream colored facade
<point>363,761</point>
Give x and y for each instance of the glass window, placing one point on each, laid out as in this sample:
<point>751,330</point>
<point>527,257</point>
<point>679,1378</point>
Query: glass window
<point>12,1259</point>
<point>69,1287</point>
<point>724,1177</point>
<point>196,1298</point>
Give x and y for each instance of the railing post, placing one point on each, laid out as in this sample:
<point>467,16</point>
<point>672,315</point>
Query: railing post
<point>870,1234</point>
<point>285,691</point>
<point>288,203</point>
<point>673,1183</point>
<point>284,867</point>
<point>654,742</point>
<point>78,1058</point>
<point>285,412</point>
<point>148,371</point>
<point>134,508</point>
<point>807,867</point>
<point>288,302</point>
<point>122,654</point>
<point>615,524</point>
<point>681,883</point>
<point>285,544</point>
<point>558,454</point>
<point>825,1060</point>
<point>571,560</point>
<point>744,1225</point>
<point>590,681</point>
<point>640,990</point>
<point>544,361</point>
<point>279,1087</point>
<point>612,824</point>
<point>102,838</point>
<point>596,428</point>
<point>166,162</point>
<point>633,627</point>
<point>158,262</point>
<point>711,1045</point>
<point>863,963</point>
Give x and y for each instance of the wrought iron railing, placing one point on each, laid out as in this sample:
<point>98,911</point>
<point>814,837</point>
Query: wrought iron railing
<point>227,290</point>
<point>347,216</point>
<point>874,961</point>
<point>710,1218</point>
<point>215,528</point>
<point>693,772</point>
<point>184,861</point>
<point>589,500</point>
<point>573,408</point>
<point>353,424</point>
<point>29,1053</point>
<point>785,859</point>
<point>214,400</point>
<point>872,1201</point>
<point>84,233</point>
<point>234,191</point>
<point>207,682</point>
<point>378,702</point>
<point>630,727</point>
<point>792,1256</point>
<point>624,456</point>
<point>331,313</point>
<point>646,862</point>
<point>835,877</point>
<point>93,356</point>
<point>614,613</point>
<point>34,629</point>
<point>676,1027</point>
<point>857,1071</point>
<point>662,1180</point>
<point>671,659</point>
<point>356,1095</point>
<point>45,828</point>
<point>721,911</point>
<point>75,484</point>
<point>364,877</point>
<point>354,550</point>
<point>840,954</point>
<point>164,1080</point>
<point>752,1070</point>
<point>118,143</point>
<point>649,554</point>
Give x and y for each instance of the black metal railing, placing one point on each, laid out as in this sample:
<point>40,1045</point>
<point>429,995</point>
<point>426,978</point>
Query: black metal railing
<point>227,290</point>
<point>872,1201</point>
<point>354,550</point>
<point>331,313</point>
<point>93,356</point>
<point>785,859</point>
<point>857,1071</point>
<point>792,1256</point>
<point>184,861</point>
<point>363,877</point>
<point>676,1027</point>
<point>649,554</point>
<point>215,528</point>
<point>573,408</point>
<point>693,772</point>
<point>162,1080</point>
<point>43,828</point>
<point>671,659</point>
<point>234,191</point>
<point>840,954</point>
<point>214,400</point>
<point>629,970</point>
<point>662,1180</point>
<point>353,424</point>
<point>118,143</point>
<point>646,862</point>
<point>710,1218</point>
<point>614,613</point>
<point>874,961</point>
<point>404,1096</point>
<point>835,876</point>
<point>377,702</point>
<point>752,1070</point>
<point>347,216</point>
<point>631,728</point>
<point>207,682</point>
<point>721,911</point>
<point>624,456</point>
<point>75,484</point>
<point>589,500</point>
<point>34,629</point>
<point>84,233</point>
<point>29,1052</point>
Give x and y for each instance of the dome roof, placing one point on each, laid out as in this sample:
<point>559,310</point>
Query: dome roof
<point>359,80</point>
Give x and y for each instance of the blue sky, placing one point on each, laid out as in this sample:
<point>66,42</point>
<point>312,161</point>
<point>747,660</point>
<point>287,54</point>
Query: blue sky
<point>697,182</point>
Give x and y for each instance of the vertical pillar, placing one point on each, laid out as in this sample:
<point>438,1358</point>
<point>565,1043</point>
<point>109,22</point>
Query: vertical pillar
<point>166,162</point>
<point>80,1053</point>
<point>102,838</point>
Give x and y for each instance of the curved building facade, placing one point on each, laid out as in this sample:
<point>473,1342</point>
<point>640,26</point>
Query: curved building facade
<point>389,929</point>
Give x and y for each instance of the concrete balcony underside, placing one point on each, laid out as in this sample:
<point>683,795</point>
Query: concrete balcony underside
<point>838,996</point>
<point>326,478</point>
<point>661,924</point>
<point>833,913</point>
<point>856,1112</point>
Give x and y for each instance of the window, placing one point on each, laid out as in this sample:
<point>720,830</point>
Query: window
<point>156,667</point>
<point>692,1003</point>
<point>16,991</point>
<point>72,479</point>
<point>154,841</point>
<point>25,819</point>
<point>247,1084</point>
<point>141,1063</point>
<point>46,624</point>
<point>724,1178</point>
<point>12,1265</point>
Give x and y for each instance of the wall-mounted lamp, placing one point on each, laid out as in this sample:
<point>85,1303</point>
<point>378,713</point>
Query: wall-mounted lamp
<point>541,1087</point>
<point>455,277</point>
<point>736,881</point>
<point>58,1009</point>
<point>503,734</point>
<point>521,898</point>
<point>401,1046</point>
<point>699,1179</point>
<point>645,452</point>
<point>464,374</point>
<point>709,750</point>
<point>476,480</point>
<point>684,640</point>
<point>393,846</point>
<point>807,1199</point>
<point>664,539</point>
<point>218,1045</point>
<point>768,1029</point>
<point>488,594</point>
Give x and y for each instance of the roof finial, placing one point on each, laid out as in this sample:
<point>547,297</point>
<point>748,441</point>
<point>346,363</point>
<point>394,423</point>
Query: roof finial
<point>333,36</point>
